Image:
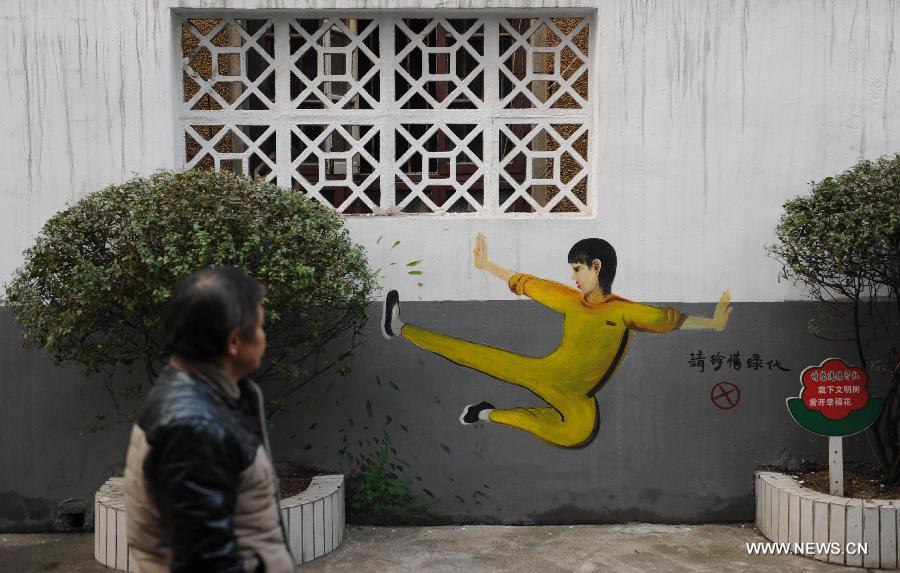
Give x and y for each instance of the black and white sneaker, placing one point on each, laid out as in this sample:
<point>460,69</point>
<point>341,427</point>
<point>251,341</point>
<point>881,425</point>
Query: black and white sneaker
<point>470,413</point>
<point>390,315</point>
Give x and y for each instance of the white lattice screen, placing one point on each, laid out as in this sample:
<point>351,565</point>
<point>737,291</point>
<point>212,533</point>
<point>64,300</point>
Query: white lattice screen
<point>395,114</point>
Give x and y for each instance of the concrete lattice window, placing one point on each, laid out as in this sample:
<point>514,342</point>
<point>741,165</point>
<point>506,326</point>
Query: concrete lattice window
<point>395,114</point>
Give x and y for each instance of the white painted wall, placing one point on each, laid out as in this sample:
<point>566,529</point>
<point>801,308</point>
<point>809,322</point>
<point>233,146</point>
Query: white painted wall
<point>711,114</point>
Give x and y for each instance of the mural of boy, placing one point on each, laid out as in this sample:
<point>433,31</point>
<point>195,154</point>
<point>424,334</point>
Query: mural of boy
<point>597,327</point>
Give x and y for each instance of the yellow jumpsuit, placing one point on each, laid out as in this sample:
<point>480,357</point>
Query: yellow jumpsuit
<point>594,339</point>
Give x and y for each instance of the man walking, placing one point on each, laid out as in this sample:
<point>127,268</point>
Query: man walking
<point>200,489</point>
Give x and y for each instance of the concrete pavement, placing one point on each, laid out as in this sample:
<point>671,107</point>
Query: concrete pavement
<point>624,548</point>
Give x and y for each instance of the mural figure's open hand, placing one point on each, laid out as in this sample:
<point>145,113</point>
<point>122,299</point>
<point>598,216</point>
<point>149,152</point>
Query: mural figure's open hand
<point>480,252</point>
<point>480,256</point>
<point>723,311</point>
<point>717,322</point>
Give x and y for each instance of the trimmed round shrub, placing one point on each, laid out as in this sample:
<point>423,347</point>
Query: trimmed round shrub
<point>93,287</point>
<point>844,237</point>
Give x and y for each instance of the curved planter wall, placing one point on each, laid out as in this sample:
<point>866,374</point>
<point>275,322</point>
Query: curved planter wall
<point>313,519</point>
<point>787,512</point>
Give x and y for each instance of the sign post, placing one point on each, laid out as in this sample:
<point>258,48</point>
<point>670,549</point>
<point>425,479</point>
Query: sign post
<point>835,402</point>
<point>836,466</point>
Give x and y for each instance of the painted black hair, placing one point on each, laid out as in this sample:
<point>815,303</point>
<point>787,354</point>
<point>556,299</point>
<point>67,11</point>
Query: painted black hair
<point>205,306</point>
<point>586,250</point>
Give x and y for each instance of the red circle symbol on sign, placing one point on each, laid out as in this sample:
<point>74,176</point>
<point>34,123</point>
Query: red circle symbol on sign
<point>725,395</point>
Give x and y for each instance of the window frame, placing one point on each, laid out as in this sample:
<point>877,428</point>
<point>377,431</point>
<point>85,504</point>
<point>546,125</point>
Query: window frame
<point>387,116</point>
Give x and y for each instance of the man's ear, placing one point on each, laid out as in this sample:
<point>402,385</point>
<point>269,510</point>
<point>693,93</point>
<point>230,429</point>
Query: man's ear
<point>595,265</point>
<point>231,345</point>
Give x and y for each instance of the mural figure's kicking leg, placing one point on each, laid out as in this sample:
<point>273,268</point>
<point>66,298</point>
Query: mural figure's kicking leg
<point>570,421</point>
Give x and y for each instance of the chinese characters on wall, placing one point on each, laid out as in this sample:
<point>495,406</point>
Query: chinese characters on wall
<point>734,361</point>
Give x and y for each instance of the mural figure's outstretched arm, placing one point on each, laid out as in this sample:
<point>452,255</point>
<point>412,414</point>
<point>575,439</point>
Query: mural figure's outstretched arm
<point>718,321</point>
<point>480,255</point>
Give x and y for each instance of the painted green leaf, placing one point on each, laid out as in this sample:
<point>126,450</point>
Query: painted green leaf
<point>379,239</point>
<point>413,263</point>
<point>816,422</point>
<point>395,245</point>
<point>392,385</point>
<point>415,272</point>
<point>369,408</point>
<point>445,448</point>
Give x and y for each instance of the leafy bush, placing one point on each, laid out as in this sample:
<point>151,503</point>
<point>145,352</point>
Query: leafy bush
<point>842,241</point>
<point>93,287</point>
<point>379,492</point>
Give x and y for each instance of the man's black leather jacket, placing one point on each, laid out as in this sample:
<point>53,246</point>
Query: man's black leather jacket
<point>200,489</point>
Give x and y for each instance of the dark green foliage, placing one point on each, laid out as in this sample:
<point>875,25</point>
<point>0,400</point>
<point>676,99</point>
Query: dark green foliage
<point>842,241</point>
<point>380,491</point>
<point>94,285</point>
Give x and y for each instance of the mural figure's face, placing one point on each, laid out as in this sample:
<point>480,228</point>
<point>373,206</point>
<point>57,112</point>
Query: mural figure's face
<point>586,277</point>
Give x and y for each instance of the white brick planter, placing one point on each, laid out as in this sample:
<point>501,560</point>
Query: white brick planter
<point>787,512</point>
<point>314,520</point>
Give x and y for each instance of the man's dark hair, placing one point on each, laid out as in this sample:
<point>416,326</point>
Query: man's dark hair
<point>205,306</point>
<point>586,250</point>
